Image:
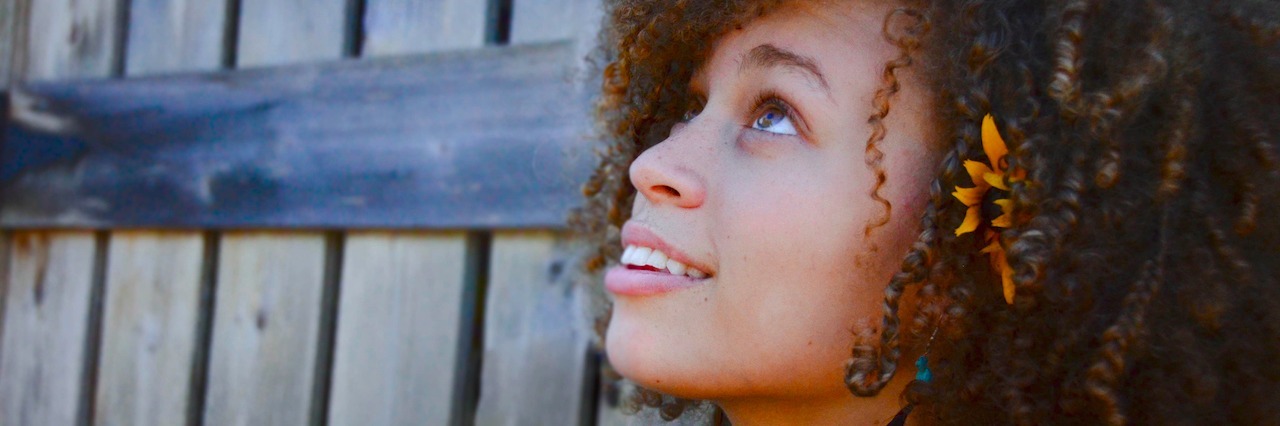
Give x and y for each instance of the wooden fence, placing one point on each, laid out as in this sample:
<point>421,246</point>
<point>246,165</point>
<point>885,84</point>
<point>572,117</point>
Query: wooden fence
<point>289,212</point>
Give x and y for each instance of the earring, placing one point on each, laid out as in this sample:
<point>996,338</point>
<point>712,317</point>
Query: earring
<point>922,364</point>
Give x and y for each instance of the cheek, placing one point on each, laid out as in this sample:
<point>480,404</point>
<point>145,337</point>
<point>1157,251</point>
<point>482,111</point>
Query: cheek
<point>791,287</point>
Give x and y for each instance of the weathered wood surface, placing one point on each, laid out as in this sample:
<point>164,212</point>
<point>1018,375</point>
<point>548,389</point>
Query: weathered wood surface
<point>487,138</point>
<point>265,329</point>
<point>149,335</point>
<point>153,320</point>
<point>68,39</point>
<point>277,32</point>
<point>272,332</point>
<point>534,21</point>
<point>536,360</point>
<point>46,336</point>
<point>400,27</point>
<point>9,19</point>
<point>403,329</point>
<point>49,331</point>
<point>407,308</point>
<point>535,342</point>
<point>176,35</point>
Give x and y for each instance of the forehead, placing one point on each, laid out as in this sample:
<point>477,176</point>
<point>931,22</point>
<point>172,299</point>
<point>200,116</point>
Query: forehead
<point>837,36</point>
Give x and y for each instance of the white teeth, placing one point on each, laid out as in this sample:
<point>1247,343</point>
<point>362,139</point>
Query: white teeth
<point>645,256</point>
<point>657,260</point>
<point>626,254</point>
<point>675,267</point>
<point>640,256</point>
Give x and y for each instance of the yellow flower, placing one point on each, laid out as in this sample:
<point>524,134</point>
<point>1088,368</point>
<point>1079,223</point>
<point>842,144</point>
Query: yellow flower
<point>994,173</point>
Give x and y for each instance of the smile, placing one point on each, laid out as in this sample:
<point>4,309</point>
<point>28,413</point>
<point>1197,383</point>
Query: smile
<point>645,258</point>
<point>649,266</point>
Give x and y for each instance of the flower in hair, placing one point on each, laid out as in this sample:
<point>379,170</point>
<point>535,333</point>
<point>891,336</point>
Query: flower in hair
<point>990,191</point>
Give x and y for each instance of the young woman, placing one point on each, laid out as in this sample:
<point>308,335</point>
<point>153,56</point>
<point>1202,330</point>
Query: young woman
<point>857,212</point>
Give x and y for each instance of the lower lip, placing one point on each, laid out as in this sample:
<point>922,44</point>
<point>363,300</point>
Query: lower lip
<point>637,282</point>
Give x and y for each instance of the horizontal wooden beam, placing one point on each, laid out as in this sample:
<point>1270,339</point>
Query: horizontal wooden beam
<point>486,138</point>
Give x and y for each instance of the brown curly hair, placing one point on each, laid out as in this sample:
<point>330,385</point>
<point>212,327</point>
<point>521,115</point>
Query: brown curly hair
<point>1145,248</point>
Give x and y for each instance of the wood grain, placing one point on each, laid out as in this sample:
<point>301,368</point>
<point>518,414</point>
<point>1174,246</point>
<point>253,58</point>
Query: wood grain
<point>400,27</point>
<point>153,279</point>
<point>485,138</point>
<point>408,301</point>
<point>47,342</point>
<point>265,329</point>
<point>152,300</point>
<point>535,341</point>
<point>536,336</point>
<point>534,21</point>
<point>69,39</point>
<point>9,19</point>
<point>269,353</point>
<point>175,35</point>
<point>46,327</point>
<point>401,328</point>
<point>274,32</point>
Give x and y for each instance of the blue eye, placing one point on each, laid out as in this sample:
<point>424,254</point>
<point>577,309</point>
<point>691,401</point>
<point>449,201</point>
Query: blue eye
<point>774,121</point>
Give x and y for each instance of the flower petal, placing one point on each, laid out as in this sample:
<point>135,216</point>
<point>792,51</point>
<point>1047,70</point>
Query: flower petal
<point>969,196</point>
<point>976,171</point>
<point>996,180</point>
<point>1006,205</point>
<point>992,143</point>
<point>1006,278</point>
<point>994,247</point>
<point>1006,219</point>
<point>971,219</point>
<point>1002,222</point>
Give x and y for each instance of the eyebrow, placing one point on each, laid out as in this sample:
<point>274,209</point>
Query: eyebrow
<point>768,55</point>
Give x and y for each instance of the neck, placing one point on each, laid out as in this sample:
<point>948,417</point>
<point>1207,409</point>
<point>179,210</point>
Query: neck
<point>839,408</point>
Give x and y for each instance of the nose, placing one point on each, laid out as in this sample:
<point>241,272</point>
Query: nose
<point>664,174</point>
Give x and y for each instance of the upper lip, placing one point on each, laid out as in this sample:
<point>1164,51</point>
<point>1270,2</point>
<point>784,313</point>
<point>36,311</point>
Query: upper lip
<point>634,234</point>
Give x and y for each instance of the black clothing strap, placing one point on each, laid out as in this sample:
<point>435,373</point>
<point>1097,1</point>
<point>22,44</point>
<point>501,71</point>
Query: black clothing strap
<point>901,418</point>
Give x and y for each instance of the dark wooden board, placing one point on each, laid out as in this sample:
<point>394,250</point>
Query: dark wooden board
<point>486,138</point>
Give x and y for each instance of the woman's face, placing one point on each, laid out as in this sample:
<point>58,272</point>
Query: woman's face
<point>767,191</point>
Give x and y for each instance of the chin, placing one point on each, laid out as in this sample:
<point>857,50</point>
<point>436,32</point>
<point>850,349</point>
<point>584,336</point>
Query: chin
<point>630,349</point>
<point>637,354</point>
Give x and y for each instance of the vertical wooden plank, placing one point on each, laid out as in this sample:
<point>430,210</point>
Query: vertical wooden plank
<point>407,300</point>
<point>69,39</point>
<point>535,340</point>
<point>175,35</point>
<point>548,20</point>
<point>535,331</point>
<point>398,332</point>
<point>265,328</point>
<point>152,298</point>
<point>8,21</point>
<point>6,247</point>
<point>46,327</point>
<point>265,342</point>
<point>394,27</point>
<point>49,313</point>
<point>274,32</point>
<point>545,20</point>
<point>153,279</point>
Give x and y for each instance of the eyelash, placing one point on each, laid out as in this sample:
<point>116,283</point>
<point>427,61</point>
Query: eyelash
<point>767,100</point>
<point>764,101</point>
<point>771,100</point>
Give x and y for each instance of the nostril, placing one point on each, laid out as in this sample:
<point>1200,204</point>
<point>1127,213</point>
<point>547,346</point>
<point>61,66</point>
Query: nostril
<point>666,190</point>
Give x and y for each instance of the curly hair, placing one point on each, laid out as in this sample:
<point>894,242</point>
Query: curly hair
<point>1145,264</point>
